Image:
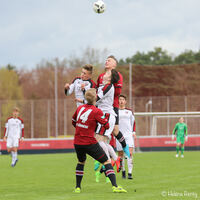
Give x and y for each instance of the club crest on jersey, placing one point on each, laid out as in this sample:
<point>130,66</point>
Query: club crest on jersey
<point>86,83</point>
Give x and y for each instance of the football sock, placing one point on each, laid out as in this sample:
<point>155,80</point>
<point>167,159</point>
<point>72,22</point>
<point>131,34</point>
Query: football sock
<point>130,165</point>
<point>102,169</point>
<point>182,150</point>
<point>79,174</point>
<point>177,149</point>
<point>110,173</point>
<point>121,139</point>
<point>111,152</point>
<point>13,158</point>
<point>15,155</point>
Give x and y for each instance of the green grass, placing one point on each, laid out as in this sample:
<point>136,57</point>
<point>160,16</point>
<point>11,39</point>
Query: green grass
<point>52,177</point>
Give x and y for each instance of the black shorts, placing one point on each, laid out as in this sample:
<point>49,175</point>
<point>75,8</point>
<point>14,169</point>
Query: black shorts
<point>117,117</point>
<point>94,150</point>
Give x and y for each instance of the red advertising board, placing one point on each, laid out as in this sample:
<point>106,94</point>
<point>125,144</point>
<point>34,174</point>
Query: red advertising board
<point>42,144</point>
<point>166,142</point>
<point>64,144</point>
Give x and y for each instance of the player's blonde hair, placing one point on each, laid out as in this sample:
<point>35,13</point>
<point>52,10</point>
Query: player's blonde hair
<point>16,109</point>
<point>91,95</point>
<point>114,58</point>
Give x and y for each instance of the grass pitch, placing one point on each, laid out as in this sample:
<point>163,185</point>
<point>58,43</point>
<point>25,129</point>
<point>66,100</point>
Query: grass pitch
<point>52,177</point>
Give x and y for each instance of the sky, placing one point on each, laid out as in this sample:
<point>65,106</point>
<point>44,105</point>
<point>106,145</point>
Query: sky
<point>32,30</point>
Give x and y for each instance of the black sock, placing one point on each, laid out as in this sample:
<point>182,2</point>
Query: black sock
<point>110,173</point>
<point>79,174</point>
<point>121,139</point>
<point>102,169</point>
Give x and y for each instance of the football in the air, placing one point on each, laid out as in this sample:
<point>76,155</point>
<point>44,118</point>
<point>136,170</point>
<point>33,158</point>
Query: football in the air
<point>99,6</point>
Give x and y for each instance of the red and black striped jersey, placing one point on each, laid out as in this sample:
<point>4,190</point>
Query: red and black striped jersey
<point>85,121</point>
<point>117,86</point>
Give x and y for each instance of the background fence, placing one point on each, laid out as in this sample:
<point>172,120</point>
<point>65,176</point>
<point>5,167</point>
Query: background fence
<point>40,116</point>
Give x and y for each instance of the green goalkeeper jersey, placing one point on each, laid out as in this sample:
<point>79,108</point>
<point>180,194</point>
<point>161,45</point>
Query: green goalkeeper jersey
<point>180,129</point>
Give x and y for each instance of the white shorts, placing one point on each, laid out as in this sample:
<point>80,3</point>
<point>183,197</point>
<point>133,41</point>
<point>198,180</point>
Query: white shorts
<point>107,132</point>
<point>12,142</point>
<point>129,141</point>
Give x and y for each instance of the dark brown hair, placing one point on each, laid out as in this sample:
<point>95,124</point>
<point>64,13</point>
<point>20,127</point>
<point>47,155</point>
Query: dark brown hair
<point>123,96</point>
<point>88,67</point>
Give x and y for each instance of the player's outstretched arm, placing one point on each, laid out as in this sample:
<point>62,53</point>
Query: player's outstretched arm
<point>69,88</point>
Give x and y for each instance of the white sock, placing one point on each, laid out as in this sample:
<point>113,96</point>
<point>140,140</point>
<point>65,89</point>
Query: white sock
<point>105,148</point>
<point>13,156</point>
<point>130,165</point>
<point>112,152</point>
<point>123,164</point>
<point>11,153</point>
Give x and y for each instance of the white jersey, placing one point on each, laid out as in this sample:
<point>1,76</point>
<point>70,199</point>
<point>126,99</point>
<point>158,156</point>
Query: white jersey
<point>75,87</point>
<point>126,122</point>
<point>105,98</point>
<point>14,128</point>
<point>126,127</point>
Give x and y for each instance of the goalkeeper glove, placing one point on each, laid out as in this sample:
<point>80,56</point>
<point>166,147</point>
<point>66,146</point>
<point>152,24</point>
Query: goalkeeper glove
<point>172,137</point>
<point>186,138</point>
<point>126,151</point>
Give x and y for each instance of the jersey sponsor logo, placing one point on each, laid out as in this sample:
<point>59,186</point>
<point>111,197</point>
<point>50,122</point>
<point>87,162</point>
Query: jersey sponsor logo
<point>81,125</point>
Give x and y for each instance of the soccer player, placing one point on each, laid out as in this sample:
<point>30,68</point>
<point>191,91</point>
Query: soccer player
<point>111,63</point>
<point>81,84</point>
<point>85,120</point>
<point>105,98</point>
<point>127,128</point>
<point>14,131</point>
<point>180,130</point>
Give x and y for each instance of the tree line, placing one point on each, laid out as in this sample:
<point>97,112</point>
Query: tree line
<point>150,77</point>
<point>161,57</point>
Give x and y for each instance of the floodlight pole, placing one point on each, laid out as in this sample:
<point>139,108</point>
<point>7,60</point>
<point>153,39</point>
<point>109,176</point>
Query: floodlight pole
<point>56,101</point>
<point>130,85</point>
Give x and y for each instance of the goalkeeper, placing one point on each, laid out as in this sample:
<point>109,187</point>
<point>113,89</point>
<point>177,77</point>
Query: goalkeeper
<point>180,130</point>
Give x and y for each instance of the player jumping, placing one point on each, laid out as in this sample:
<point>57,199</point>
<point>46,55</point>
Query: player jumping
<point>105,98</point>
<point>111,63</point>
<point>81,84</point>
